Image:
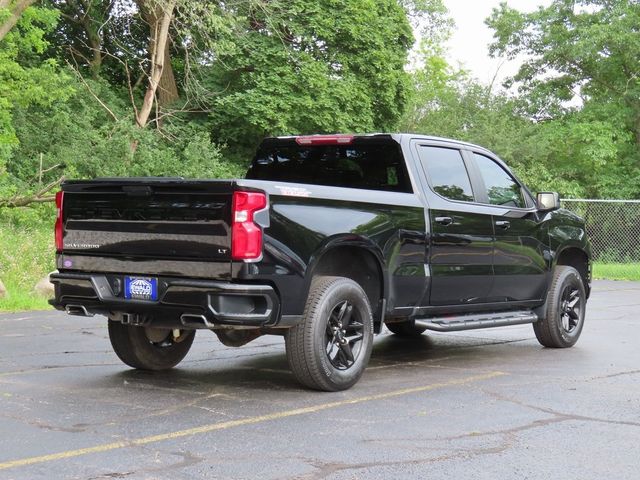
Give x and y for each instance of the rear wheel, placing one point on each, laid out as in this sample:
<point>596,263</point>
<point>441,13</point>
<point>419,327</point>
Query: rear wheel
<point>563,313</point>
<point>149,348</point>
<point>406,329</point>
<point>330,349</point>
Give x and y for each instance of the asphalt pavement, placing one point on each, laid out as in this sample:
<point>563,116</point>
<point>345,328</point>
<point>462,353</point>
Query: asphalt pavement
<point>486,404</point>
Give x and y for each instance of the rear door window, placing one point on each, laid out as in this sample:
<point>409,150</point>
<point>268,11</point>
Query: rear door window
<point>447,172</point>
<point>366,166</point>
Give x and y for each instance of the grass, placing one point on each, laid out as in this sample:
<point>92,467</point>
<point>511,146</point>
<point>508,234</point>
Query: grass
<point>616,271</point>
<point>26,256</point>
<point>20,300</point>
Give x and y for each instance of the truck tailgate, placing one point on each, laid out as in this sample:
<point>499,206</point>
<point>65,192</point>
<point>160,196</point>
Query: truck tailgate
<point>138,219</point>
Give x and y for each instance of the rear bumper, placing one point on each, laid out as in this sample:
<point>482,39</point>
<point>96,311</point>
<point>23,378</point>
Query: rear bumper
<point>182,303</point>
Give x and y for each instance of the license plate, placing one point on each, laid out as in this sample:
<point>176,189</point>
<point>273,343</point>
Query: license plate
<point>141,288</point>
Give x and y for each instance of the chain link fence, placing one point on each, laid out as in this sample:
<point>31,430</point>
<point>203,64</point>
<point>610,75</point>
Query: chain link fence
<point>614,229</point>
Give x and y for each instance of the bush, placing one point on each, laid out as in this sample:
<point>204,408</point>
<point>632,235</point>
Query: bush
<point>86,142</point>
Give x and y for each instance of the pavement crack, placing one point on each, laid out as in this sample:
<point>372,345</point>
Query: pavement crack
<point>510,431</point>
<point>45,426</point>
<point>325,469</point>
<point>618,374</point>
<point>123,419</point>
<point>112,475</point>
<point>55,367</point>
<point>185,460</point>
<point>559,416</point>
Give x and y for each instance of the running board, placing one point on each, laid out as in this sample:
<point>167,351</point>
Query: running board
<point>474,321</point>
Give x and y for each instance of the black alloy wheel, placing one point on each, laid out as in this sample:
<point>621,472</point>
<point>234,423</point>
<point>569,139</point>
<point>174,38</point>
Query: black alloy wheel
<point>344,336</point>
<point>571,308</point>
<point>562,316</point>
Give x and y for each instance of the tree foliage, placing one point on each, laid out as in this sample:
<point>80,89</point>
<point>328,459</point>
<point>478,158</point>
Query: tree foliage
<point>25,80</point>
<point>572,125</point>
<point>170,87</point>
<point>311,67</point>
<point>587,52</point>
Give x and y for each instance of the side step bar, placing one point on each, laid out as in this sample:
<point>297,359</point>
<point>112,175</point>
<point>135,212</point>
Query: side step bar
<point>482,320</point>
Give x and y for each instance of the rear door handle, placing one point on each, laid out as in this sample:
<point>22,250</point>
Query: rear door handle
<point>504,224</point>
<point>444,220</point>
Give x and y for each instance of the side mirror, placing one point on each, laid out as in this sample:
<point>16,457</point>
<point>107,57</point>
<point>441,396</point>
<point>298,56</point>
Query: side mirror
<point>548,201</point>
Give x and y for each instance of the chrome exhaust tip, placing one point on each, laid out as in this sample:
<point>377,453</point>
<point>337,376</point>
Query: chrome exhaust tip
<point>195,321</point>
<point>78,310</point>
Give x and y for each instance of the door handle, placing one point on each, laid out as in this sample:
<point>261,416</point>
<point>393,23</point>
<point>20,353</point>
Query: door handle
<point>504,224</point>
<point>444,220</point>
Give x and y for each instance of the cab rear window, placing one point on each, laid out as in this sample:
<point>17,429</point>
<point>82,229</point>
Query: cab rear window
<point>370,167</point>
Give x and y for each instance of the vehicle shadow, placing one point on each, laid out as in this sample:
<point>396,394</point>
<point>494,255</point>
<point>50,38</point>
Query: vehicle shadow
<point>268,370</point>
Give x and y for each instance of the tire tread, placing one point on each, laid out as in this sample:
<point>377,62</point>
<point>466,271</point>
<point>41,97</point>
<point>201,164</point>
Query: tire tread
<point>299,339</point>
<point>547,329</point>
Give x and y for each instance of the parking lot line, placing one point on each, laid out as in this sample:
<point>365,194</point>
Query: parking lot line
<point>241,422</point>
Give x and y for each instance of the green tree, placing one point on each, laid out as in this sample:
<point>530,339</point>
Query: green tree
<point>54,121</point>
<point>583,147</point>
<point>588,52</point>
<point>448,103</point>
<point>194,74</point>
<point>25,80</point>
<point>313,67</point>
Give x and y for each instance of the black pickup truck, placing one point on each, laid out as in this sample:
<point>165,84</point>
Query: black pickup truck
<point>328,238</point>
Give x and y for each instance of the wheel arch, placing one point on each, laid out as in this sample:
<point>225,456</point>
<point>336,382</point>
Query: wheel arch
<point>357,258</point>
<point>576,257</point>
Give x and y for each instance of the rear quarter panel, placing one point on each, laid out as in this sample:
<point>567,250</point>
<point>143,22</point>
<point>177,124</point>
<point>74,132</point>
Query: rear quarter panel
<point>308,220</point>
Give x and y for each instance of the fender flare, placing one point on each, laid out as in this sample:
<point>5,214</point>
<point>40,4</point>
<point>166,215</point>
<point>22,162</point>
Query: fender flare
<point>347,240</point>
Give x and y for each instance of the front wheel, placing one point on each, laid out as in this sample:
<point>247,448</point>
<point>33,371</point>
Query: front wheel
<point>149,348</point>
<point>330,349</point>
<point>563,313</point>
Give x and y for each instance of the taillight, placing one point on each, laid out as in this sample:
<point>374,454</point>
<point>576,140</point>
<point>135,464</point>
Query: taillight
<point>246,235</point>
<point>58,227</point>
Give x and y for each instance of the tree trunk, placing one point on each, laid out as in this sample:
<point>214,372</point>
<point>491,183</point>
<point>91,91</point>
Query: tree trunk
<point>95,44</point>
<point>162,85</point>
<point>638,130</point>
<point>168,89</point>
<point>15,11</point>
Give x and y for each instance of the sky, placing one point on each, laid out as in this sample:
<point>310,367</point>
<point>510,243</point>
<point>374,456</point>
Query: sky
<point>469,44</point>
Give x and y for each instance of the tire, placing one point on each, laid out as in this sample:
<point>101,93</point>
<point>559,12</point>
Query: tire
<point>134,346</point>
<point>318,348</point>
<point>562,315</point>
<point>407,329</point>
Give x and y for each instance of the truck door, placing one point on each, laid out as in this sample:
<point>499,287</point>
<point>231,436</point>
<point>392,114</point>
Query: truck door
<point>462,235</point>
<point>520,267</point>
